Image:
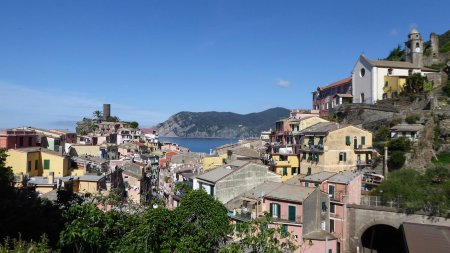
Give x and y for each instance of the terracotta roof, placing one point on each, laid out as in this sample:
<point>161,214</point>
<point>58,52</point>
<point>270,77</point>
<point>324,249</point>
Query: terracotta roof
<point>340,82</point>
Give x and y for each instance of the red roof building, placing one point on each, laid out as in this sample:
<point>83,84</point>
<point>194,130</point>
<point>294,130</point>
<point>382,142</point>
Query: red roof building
<point>332,95</point>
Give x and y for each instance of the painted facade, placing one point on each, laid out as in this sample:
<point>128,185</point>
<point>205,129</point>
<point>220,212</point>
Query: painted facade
<point>327,97</point>
<point>10,139</point>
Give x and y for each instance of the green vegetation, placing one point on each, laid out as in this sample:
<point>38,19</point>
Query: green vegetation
<point>395,121</point>
<point>396,54</point>
<point>398,147</point>
<point>396,160</point>
<point>221,124</point>
<point>414,84</point>
<point>444,42</point>
<point>412,118</point>
<point>443,158</point>
<point>428,192</point>
<point>20,246</point>
<point>400,144</point>
<point>446,88</point>
<point>134,124</point>
<point>257,236</point>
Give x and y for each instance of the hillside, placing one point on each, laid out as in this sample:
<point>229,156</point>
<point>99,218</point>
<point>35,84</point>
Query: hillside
<point>220,124</point>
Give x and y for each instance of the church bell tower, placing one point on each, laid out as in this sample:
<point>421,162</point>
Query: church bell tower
<point>414,48</point>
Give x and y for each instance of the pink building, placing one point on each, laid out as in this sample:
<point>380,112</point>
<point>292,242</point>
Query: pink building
<point>12,139</point>
<point>334,94</point>
<point>69,137</point>
<point>301,211</point>
<point>343,188</point>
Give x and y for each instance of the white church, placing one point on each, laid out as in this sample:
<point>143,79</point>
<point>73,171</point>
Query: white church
<point>374,80</point>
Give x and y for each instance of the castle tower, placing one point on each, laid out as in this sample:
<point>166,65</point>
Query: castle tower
<point>106,111</point>
<point>414,48</point>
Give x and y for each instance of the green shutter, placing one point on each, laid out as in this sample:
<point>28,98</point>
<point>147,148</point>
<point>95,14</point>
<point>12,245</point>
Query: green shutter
<point>363,140</point>
<point>46,164</point>
<point>347,140</point>
<point>292,213</point>
<point>271,209</point>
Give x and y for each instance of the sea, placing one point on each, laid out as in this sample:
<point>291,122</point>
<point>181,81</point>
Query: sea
<point>199,144</point>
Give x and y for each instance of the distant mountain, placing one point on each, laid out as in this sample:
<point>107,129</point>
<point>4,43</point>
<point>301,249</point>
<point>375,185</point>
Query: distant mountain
<point>220,124</point>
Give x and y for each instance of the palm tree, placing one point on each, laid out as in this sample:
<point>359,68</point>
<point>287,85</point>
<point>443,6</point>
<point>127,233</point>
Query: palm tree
<point>97,114</point>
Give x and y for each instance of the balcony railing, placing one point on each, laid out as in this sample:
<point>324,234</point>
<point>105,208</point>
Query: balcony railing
<point>297,220</point>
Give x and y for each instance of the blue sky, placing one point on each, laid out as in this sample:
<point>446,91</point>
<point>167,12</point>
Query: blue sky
<point>61,60</point>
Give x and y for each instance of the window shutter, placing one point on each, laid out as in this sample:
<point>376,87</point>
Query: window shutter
<point>347,140</point>
<point>363,140</point>
<point>345,156</point>
<point>279,210</point>
<point>271,209</point>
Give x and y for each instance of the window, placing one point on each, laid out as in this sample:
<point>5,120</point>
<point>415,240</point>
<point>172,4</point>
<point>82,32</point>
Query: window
<point>284,230</point>
<point>331,189</point>
<point>294,170</point>
<point>332,208</point>
<point>347,140</point>
<point>285,171</point>
<point>386,84</point>
<point>342,157</point>
<point>275,210</point>
<point>331,226</point>
<point>306,184</point>
<point>385,95</point>
<point>390,71</point>
<point>20,141</point>
<point>309,171</point>
<point>292,213</point>
<point>323,225</point>
<point>362,72</point>
<point>316,184</point>
<point>363,140</point>
<point>36,164</point>
<point>46,164</point>
<point>28,166</point>
<point>324,206</point>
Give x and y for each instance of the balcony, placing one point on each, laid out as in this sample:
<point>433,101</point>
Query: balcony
<point>337,196</point>
<point>312,148</point>
<point>298,220</point>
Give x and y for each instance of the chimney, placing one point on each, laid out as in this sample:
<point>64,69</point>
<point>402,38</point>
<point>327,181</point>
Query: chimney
<point>51,177</point>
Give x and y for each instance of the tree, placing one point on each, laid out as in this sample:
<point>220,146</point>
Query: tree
<point>382,134</point>
<point>414,84</point>
<point>260,236</point>
<point>134,124</point>
<point>97,115</point>
<point>396,54</point>
<point>201,223</point>
<point>414,191</point>
<point>400,144</point>
<point>396,160</point>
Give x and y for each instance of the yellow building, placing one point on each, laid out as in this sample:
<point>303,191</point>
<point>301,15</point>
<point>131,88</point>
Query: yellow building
<point>333,147</point>
<point>285,165</point>
<point>212,162</point>
<point>91,184</point>
<point>37,162</point>
<point>393,86</point>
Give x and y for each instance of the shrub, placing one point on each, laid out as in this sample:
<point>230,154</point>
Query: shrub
<point>396,160</point>
<point>400,144</point>
<point>412,118</point>
<point>395,121</point>
<point>382,134</point>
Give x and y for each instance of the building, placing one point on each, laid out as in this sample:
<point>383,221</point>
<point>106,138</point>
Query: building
<point>233,179</point>
<point>52,140</point>
<point>410,131</point>
<point>301,211</point>
<point>333,147</point>
<point>125,135</point>
<point>105,151</point>
<point>334,94</point>
<point>374,80</point>
<point>69,137</point>
<point>131,148</point>
<point>132,178</point>
<point>92,184</point>
<point>82,165</point>
<point>11,139</point>
<point>213,161</point>
<point>343,188</point>
<point>37,161</point>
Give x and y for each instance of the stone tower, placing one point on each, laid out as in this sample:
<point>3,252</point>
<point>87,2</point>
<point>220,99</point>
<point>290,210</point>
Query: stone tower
<point>414,48</point>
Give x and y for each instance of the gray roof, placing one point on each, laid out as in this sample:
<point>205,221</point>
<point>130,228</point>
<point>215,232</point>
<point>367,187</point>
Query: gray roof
<point>295,179</point>
<point>263,189</point>
<point>320,128</point>
<point>40,181</point>
<point>216,174</point>
<point>93,178</point>
<point>407,127</point>
<point>319,177</point>
<point>398,65</point>
<point>290,192</point>
<point>343,177</point>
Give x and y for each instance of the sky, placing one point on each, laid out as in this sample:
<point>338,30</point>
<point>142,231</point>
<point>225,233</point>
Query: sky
<point>61,60</point>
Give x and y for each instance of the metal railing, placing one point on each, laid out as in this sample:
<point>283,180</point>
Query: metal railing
<point>378,201</point>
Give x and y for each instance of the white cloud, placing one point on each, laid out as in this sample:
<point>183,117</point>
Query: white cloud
<point>23,106</point>
<point>283,83</point>
<point>393,32</point>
